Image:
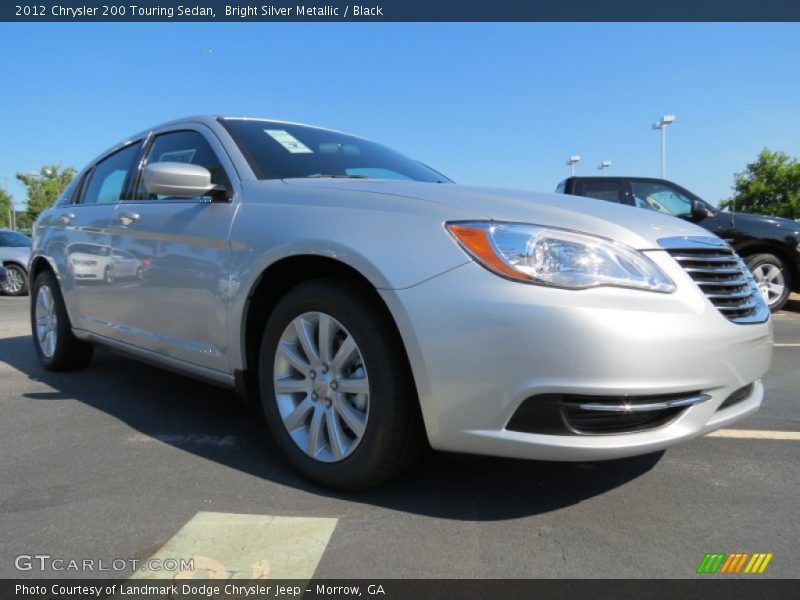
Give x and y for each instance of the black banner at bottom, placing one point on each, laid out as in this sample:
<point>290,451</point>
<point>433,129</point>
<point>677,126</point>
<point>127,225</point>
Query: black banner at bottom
<point>395,589</point>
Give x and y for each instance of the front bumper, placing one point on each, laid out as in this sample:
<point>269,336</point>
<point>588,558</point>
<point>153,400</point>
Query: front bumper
<point>480,345</point>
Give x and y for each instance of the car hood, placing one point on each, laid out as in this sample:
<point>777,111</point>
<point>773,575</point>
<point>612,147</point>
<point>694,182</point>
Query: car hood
<point>779,222</point>
<point>637,228</point>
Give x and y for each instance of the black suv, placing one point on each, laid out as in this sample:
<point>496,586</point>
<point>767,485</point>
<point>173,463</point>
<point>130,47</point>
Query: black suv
<point>769,245</point>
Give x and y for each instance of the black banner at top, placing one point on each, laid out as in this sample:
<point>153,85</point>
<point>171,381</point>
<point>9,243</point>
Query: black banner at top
<point>397,10</point>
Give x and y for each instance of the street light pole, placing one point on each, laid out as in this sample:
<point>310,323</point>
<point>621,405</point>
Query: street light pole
<point>662,125</point>
<point>571,162</point>
<point>603,166</point>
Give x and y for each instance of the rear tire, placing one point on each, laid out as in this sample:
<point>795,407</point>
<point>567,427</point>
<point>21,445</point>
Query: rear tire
<point>386,433</point>
<point>773,277</point>
<point>56,346</point>
<point>17,283</point>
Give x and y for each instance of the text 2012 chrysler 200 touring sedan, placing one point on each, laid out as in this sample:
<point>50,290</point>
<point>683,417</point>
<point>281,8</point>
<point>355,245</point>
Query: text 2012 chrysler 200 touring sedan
<point>368,302</point>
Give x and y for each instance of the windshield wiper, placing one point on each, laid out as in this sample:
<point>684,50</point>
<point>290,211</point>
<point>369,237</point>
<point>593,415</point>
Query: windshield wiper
<point>338,176</point>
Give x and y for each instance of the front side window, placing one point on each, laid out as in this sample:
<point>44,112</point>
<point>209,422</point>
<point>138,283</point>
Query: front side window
<point>188,147</point>
<point>107,181</point>
<point>661,198</point>
<point>602,190</point>
<point>278,150</point>
<point>13,239</point>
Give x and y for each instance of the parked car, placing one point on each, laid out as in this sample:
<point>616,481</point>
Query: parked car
<point>371,303</point>
<point>769,245</point>
<point>98,262</point>
<point>3,276</point>
<point>15,250</point>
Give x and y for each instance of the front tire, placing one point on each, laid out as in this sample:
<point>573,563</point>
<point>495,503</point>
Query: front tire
<point>56,346</point>
<point>17,283</point>
<point>336,388</point>
<point>773,278</point>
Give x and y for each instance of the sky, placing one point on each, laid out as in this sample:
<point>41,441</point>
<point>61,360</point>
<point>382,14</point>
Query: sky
<point>502,105</point>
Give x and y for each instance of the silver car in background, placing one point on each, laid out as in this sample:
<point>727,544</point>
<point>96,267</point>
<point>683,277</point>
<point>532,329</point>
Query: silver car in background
<point>369,305</point>
<point>15,251</point>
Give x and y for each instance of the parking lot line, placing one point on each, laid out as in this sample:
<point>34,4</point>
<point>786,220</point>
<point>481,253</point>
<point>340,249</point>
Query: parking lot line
<point>239,546</point>
<point>786,345</point>
<point>756,434</point>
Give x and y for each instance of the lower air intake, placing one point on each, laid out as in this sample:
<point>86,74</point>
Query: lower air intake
<point>557,414</point>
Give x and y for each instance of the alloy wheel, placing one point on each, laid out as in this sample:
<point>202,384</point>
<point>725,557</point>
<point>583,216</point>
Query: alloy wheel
<point>321,387</point>
<point>770,281</point>
<point>46,321</point>
<point>14,281</point>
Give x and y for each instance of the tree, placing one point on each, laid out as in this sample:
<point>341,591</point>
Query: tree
<point>45,186</point>
<point>770,186</point>
<point>24,222</point>
<point>5,209</point>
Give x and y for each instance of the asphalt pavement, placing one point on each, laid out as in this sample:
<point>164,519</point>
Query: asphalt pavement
<point>123,460</point>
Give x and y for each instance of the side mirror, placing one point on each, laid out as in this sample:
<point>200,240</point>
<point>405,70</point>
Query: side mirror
<point>699,210</point>
<point>179,180</point>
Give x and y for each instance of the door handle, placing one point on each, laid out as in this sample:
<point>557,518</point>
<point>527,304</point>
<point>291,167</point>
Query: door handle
<point>126,218</point>
<point>66,218</point>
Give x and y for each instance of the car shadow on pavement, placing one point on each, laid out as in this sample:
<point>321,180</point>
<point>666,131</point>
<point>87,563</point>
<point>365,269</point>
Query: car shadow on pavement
<point>793,304</point>
<point>187,414</point>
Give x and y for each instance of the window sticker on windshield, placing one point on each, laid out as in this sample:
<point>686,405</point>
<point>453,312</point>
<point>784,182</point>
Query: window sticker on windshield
<point>288,141</point>
<point>179,156</point>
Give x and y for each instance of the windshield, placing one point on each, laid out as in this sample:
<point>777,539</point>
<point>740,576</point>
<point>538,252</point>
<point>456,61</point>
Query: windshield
<point>96,249</point>
<point>277,150</point>
<point>13,239</point>
<point>661,197</point>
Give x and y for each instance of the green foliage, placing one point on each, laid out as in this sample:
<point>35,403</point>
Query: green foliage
<point>5,208</point>
<point>769,186</point>
<point>45,186</point>
<point>24,222</point>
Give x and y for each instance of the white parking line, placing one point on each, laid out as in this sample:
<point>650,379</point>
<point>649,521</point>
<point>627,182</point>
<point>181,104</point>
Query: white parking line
<point>756,434</point>
<point>786,345</point>
<point>235,546</point>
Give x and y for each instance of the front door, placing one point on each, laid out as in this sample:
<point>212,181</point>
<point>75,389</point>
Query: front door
<point>173,257</point>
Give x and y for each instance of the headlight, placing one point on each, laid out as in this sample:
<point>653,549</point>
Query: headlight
<point>557,257</point>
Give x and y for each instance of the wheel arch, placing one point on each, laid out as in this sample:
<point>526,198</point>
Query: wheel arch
<point>272,284</point>
<point>39,264</point>
<point>760,248</point>
<point>17,263</point>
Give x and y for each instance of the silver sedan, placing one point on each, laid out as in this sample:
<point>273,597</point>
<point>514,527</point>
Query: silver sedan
<point>15,250</point>
<point>370,306</point>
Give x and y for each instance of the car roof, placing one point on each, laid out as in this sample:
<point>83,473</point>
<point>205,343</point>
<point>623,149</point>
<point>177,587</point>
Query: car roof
<point>629,177</point>
<point>208,120</point>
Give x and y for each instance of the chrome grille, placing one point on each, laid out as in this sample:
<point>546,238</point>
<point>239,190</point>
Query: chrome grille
<point>722,276</point>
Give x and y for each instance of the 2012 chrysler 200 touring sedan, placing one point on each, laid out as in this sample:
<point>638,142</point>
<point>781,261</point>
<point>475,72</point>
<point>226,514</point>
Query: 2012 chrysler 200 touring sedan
<point>368,303</point>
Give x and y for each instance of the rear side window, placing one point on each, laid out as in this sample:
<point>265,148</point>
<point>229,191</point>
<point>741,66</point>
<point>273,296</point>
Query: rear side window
<point>107,181</point>
<point>184,147</point>
<point>602,190</point>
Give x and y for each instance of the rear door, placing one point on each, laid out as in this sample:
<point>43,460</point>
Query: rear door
<point>176,254</point>
<point>79,229</point>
